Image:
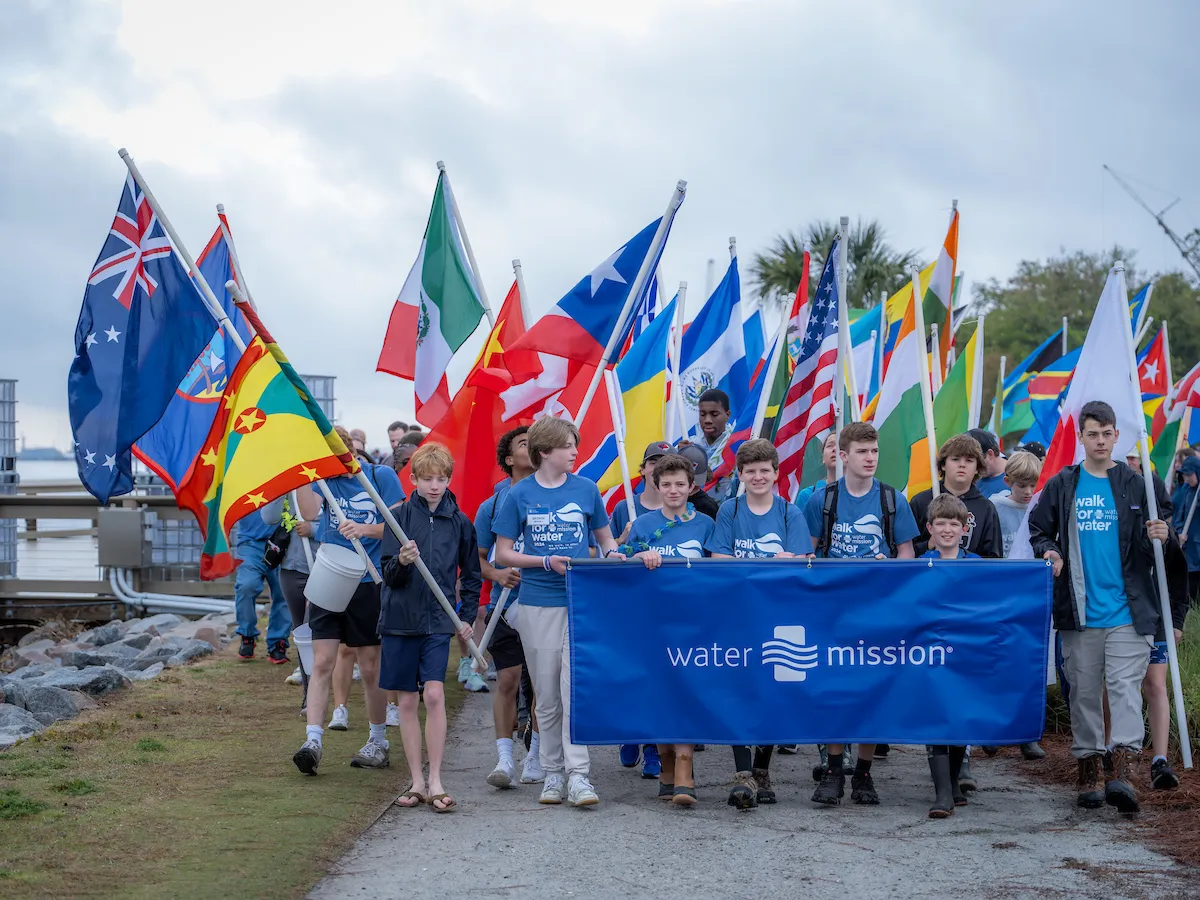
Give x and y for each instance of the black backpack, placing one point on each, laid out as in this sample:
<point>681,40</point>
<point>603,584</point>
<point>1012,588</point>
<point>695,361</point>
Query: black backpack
<point>887,502</point>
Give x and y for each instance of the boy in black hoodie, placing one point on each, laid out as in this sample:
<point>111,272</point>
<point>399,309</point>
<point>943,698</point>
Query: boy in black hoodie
<point>960,465</point>
<point>414,629</point>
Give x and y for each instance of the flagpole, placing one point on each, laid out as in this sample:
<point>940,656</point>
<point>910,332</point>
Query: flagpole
<point>937,358</point>
<point>675,411</point>
<point>998,401</point>
<point>616,408</point>
<point>772,371</point>
<point>1142,331</point>
<point>1185,427</point>
<point>926,395</point>
<point>1144,320</point>
<point>239,275</point>
<point>486,640</point>
<point>462,232</point>
<point>976,403</point>
<point>519,276</point>
<point>1160,569</point>
<point>1064,336</point>
<point>639,283</point>
<point>845,352</point>
<point>883,334</point>
<point>1167,363</point>
<point>335,507</point>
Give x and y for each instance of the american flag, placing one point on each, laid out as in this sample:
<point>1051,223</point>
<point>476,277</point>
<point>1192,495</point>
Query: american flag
<point>808,411</point>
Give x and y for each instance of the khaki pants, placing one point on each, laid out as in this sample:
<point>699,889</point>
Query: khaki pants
<point>548,656</point>
<point>1112,658</point>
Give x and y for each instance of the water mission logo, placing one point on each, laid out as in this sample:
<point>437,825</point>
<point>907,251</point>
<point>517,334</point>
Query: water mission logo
<point>788,654</point>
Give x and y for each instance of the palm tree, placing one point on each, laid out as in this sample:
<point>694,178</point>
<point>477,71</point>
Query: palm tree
<point>873,266</point>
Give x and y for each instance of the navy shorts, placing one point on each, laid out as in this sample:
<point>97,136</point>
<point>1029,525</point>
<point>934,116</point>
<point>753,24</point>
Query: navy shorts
<point>1158,653</point>
<point>406,662</point>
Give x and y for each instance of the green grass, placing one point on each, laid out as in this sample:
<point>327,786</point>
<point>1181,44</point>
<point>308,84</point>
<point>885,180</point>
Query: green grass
<point>105,812</point>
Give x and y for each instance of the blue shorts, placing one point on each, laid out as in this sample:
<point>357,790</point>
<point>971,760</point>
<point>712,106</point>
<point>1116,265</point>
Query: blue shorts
<point>1158,653</point>
<point>406,662</point>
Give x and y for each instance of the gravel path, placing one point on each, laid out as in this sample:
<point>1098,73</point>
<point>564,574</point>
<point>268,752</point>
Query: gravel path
<point>1016,839</point>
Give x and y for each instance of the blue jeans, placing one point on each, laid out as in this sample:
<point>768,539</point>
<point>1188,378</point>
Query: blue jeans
<point>248,583</point>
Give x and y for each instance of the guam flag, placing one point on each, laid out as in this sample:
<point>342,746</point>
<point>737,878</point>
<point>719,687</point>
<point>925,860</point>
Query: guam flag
<point>170,449</point>
<point>268,437</point>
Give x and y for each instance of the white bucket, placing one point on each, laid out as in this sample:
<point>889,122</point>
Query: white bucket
<point>336,573</point>
<point>302,638</point>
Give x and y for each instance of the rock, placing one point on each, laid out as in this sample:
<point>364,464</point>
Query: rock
<point>156,624</point>
<point>96,680</point>
<point>27,657</point>
<point>194,650</point>
<point>82,659</point>
<point>100,637</point>
<point>49,704</point>
<point>11,692</point>
<point>152,671</point>
<point>35,671</point>
<point>42,644</point>
<point>220,621</point>
<point>16,724</point>
<point>83,701</point>
<point>199,631</point>
<point>137,642</point>
<point>116,652</point>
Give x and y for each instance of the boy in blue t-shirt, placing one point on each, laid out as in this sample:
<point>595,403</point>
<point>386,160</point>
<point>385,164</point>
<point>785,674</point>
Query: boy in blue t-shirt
<point>761,525</point>
<point>357,625</point>
<point>947,518</point>
<point>553,512</point>
<point>648,497</point>
<point>859,517</point>
<point>679,532</point>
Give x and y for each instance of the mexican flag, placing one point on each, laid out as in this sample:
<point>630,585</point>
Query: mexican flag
<point>903,457</point>
<point>437,310</point>
<point>939,296</point>
<point>956,406</point>
<point>1167,423</point>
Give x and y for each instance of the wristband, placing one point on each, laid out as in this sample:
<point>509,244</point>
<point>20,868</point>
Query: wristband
<point>615,550</point>
<point>546,564</point>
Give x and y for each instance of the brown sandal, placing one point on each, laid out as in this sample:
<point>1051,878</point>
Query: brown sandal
<point>450,804</point>
<point>410,794</point>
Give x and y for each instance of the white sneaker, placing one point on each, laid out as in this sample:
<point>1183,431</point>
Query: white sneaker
<point>531,770</point>
<point>581,792</point>
<point>552,790</point>
<point>294,678</point>
<point>340,720</point>
<point>464,669</point>
<point>502,776</point>
<point>492,675</point>
<point>357,676</point>
<point>475,683</point>
<point>393,716</point>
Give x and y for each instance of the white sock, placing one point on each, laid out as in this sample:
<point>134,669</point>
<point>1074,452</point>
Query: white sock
<point>534,743</point>
<point>314,733</point>
<point>1157,758</point>
<point>379,734</point>
<point>504,750</point>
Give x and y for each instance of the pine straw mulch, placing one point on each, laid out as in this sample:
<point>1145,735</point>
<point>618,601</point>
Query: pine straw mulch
<point>1169,820</point>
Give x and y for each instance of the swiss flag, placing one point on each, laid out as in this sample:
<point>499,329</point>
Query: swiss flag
<point>1152,367</point>
<point>1100,374</point>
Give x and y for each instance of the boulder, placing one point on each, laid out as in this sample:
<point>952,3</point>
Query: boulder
<point>152,671</point>
<point>95,680</point>
<point>100,637</point>
<point>42,644</point>
<point>16,724</point>
<point>83,701</point>
<point>49,704</point>
<point>11,692</point>
<point>82,659</point>
<point>27,657</point>
<point>220,621</point>
<point>137,642</point>
<point>37,670</point>
<point>194,650</point>
<point>155,624</point>
<point>199,631</point>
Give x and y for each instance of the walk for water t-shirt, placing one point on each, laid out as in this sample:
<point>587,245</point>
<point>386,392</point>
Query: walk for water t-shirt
<point>686,540</point>
<point>552,522</point>
<point>358,507</point>
<point>1103,581</point>
<point>620,516</point>
<point>486,537</point>
<point>742,534</point>
<point>858,531</point>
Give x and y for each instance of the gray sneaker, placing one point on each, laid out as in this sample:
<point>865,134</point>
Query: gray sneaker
<point>371,756</point>
<point>308,757</point>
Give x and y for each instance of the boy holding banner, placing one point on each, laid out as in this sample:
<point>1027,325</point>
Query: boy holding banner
<point>858,517</point>
<point>761,525</point>
<point>677,531</point>
<point>552,512</point>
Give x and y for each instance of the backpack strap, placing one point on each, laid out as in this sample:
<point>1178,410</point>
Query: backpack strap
<point>828,518</point>
<point>887,496</point>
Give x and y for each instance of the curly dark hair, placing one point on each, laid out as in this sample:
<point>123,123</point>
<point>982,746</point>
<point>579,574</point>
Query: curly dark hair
<point>504,448</point>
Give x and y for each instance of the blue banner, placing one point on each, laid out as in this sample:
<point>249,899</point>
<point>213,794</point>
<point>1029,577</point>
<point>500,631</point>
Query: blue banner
<point>786,652</point>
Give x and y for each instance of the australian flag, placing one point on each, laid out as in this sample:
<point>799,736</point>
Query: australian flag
<point>142,325</point>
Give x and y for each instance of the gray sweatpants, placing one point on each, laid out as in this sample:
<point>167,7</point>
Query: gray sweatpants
<point>1097,658</point>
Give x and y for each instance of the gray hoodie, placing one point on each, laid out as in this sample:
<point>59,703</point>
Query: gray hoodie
<point>294,559</point>
<point>1011,515</point>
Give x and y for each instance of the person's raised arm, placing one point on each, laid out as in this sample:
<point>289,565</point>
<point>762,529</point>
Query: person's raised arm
<point>310,502</point>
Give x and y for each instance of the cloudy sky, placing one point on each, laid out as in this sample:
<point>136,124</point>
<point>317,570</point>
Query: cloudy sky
<point>564,126</point>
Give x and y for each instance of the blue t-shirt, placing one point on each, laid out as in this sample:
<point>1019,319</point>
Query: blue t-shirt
<point>1103,580</point>
<point>688,540</point>
<point>858,531</point>
<point>358,507</point>
<point>806,493</point>
<point>993,484</point>
<point>742,534</point>
<point>487,537</point>
<point>620,516</point>
<point>962,554</point>
<point>553,522</point>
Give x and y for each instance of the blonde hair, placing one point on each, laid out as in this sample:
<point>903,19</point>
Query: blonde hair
<point>1023,468</point>
<point>548,434</point>
<point>432,459</point>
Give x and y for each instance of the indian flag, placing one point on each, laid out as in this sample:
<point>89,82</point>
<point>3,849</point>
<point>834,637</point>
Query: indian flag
<point>1168,423</point>
<point>939,296</point>
<point>956,406</point>
<point>899,418</point>
<point>437,310</point>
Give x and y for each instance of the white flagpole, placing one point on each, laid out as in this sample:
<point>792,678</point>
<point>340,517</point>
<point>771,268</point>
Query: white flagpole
<point>1160,569</point>
<point>1167,358</point>
<point>839,415</point>
<point>635,290</point>
<point>1064,336</point>
<point>998,400</point>
<point>616,408</point>
<point>936,365</point>
<point>926,394</point>
<point>486,640</point>
<point>1143,320</point>
<point>675,410</point>
<point>239,275</point>
<point>845,348</point>
<point>219,314</point>
<point>883,335</point>
<point>977,377</point>
<point>764,398</point>
<point>462,231</point>
<point>1137,339</point>
<point>519,276</point>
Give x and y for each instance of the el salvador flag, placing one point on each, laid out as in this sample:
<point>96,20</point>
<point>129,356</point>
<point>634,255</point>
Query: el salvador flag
<point>713,354</point>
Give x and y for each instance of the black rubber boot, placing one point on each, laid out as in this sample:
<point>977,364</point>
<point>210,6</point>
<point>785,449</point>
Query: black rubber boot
<point>956,757</point>
<point>943,804</point>
<point>1033,750</point>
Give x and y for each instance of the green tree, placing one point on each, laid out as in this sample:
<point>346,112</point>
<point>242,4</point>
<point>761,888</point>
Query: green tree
<point>873,266</point>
